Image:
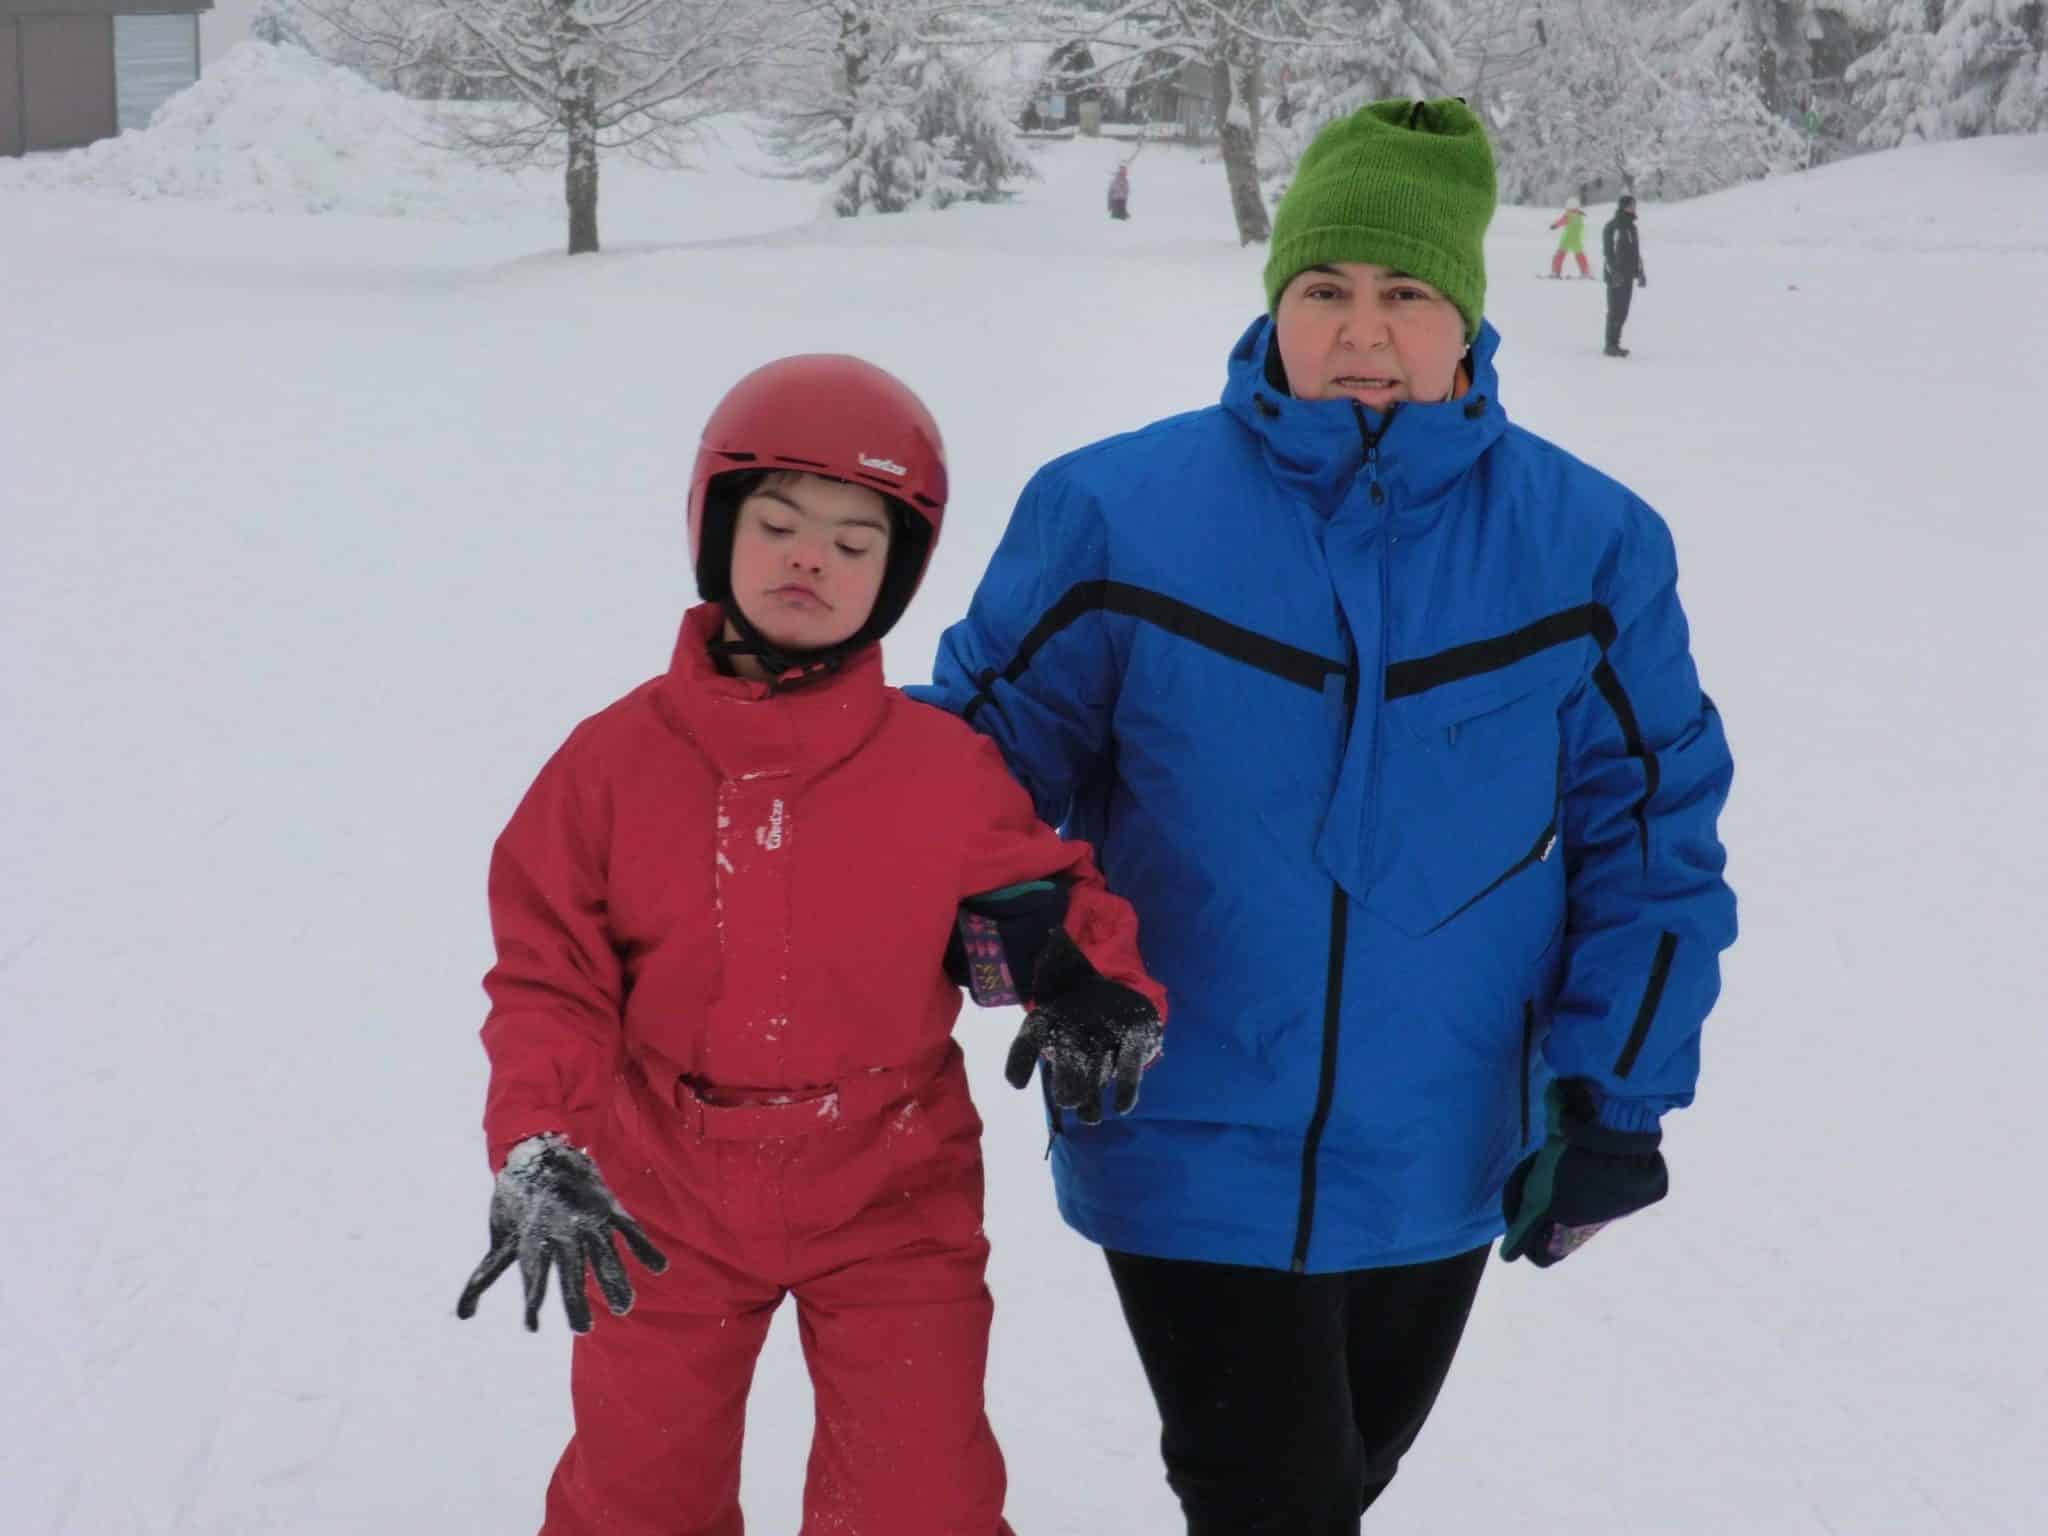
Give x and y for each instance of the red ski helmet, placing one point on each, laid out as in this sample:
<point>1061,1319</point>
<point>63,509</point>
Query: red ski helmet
<point>822,413</point>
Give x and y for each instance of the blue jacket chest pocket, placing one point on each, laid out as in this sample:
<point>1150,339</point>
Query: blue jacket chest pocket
<point>1468,804</point>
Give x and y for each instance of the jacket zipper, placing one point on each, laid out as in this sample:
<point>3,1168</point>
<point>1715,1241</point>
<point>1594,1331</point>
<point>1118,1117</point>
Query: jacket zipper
<point>1326,1081</point>
<point>1373,489</point>
<point>1340,904</point>
<point>1528,1051</point>
<point>1538,852</point>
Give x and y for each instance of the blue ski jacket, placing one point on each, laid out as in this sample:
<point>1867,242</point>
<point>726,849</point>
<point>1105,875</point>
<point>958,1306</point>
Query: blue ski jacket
<point>1388,728</point>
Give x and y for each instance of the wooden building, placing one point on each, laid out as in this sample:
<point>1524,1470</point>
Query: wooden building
<point>72,71</point>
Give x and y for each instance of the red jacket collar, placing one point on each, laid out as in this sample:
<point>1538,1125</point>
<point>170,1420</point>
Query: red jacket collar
<point>746,730</point>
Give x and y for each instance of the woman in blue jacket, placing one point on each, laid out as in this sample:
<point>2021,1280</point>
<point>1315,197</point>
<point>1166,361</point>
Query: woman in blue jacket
<point>1381,712</point>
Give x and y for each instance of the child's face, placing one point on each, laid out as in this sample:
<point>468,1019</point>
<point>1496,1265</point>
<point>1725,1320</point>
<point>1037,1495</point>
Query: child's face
<point>808,555</point>
<point>1351,331</point>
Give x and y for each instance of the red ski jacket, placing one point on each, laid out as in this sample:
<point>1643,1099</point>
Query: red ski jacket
<point>753,891</point>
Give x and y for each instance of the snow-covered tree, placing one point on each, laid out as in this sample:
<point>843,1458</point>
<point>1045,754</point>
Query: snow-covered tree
<point>1491,41</point>
<point>1946,69</point>
<point>1352,52</point>
<point>1240,33</point>
<point>885,101</point>
<point>1994,61</point>
<point>281,22</point>
<point>1767,42</point>
<point>1894,82</point>
<point>1568,118</point>
<point>1602,102</point>
<point>577,78</point>
<point>1224,46</point>
<point>1707,128</point>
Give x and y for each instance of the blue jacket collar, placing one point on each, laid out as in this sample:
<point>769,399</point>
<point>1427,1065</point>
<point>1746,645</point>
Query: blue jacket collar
<point>1317,447</point>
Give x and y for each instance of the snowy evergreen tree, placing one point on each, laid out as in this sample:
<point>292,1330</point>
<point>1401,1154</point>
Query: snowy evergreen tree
<point>1765,42</point>
<point>1946,69</point>
<point>1894,83</point>
<point>885,102</point>
<point>580,78</point>
<point>1707,127</point>
<point>974,127</point>
<point>1994,63</point>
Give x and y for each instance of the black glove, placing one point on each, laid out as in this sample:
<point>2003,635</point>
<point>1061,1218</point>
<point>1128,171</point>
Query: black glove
<point>1091,1031</point>
<point>1642,279</point>
<point>550,1206</point>
<point>1583,1176</point>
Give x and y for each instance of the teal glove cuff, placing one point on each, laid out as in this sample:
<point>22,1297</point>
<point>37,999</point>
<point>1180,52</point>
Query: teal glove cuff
<point>1585,1175</point>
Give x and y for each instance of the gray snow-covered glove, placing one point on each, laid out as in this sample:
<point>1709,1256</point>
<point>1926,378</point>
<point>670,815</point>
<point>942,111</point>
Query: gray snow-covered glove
<point>1090,1032</point>
<point>551,1207</point>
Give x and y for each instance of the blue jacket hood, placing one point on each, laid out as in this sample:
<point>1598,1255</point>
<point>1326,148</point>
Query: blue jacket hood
<point>1317,447</point>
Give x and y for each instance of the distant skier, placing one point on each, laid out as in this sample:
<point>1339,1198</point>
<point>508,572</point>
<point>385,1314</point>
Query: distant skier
<point>1572,242</point>
<point>1120,193</point>
<point>1623,254</point>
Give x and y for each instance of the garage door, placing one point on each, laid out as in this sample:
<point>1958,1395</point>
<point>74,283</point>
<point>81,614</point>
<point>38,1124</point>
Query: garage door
<point>67,93</point>
<point>155,57</point>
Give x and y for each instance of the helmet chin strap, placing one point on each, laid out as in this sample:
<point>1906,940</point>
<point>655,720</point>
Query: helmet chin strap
<point>787,667</point>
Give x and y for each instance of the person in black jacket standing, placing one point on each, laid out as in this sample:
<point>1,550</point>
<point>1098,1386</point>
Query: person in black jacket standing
<point>1623,255</point>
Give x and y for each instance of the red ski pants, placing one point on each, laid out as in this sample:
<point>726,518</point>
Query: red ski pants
<point>1557,264</point>
<point>865,1204</point>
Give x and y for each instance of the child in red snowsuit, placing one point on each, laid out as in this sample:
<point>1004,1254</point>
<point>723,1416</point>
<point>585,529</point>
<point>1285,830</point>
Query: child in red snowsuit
<point>721,1003</point>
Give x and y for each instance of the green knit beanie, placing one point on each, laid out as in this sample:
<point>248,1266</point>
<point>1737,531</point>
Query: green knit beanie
<point>1401,184</point>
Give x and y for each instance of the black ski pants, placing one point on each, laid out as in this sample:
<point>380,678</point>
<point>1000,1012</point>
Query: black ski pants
<point>1287,1400</point>
<point>1618,297</point>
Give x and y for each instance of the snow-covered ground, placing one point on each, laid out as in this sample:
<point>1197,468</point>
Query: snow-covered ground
<point>320,531</point>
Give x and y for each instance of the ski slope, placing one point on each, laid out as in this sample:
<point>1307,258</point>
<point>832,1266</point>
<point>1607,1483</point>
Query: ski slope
<point>322,529</point>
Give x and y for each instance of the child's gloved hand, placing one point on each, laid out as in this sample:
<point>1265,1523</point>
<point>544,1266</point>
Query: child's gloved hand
<point>1583,1176</point>
<point>1090,1032</point>
<point>550,1207</point>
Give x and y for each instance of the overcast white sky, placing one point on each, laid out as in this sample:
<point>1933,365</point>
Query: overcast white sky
<point>223,27</point>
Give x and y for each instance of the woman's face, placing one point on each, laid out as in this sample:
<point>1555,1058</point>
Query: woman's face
<point>808,556</point>
<point>1352,331</point>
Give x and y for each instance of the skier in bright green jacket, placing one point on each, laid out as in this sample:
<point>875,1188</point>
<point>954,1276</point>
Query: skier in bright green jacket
<point>1573,240</point>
